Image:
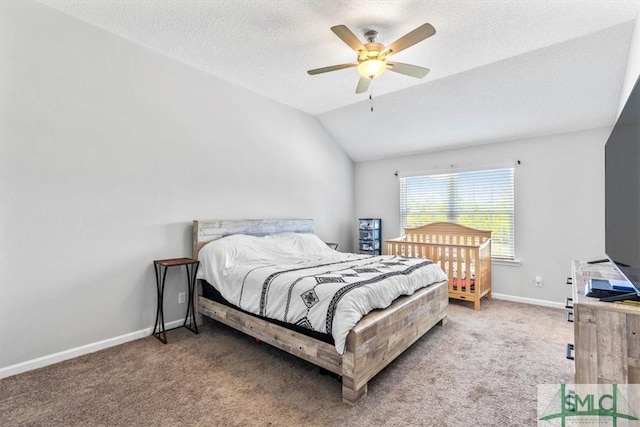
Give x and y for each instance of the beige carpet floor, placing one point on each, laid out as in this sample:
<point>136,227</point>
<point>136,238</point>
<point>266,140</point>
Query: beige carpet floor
<point>481,368</point>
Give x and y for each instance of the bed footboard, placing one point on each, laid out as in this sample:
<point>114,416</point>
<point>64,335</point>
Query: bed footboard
<point>383,335</point>
<point>372,344</point>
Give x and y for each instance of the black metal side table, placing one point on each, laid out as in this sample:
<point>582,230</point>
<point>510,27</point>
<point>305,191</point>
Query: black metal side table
<point>161,266</point>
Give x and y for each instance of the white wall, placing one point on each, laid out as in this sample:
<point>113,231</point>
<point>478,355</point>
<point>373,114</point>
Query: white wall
<point>633,65</point>
<point>559,203</point>
<point>109,150</point>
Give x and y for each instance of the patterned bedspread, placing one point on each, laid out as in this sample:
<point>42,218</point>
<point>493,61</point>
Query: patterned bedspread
<point>297,279</point>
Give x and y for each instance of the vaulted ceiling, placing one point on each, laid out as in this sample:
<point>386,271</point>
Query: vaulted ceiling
<point>500,70</point>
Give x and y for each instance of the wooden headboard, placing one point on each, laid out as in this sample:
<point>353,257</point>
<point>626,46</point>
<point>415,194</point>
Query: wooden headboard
<point>205,231</point>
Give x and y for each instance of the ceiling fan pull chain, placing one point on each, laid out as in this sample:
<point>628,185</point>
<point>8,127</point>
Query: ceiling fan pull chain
<point>371,97</point>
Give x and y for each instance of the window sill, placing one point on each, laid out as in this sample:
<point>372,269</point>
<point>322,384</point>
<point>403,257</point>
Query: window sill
<point>507,262</point>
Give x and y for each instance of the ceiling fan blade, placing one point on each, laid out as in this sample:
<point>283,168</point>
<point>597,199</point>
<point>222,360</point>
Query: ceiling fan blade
<point>363,85</point>
<point>331,68</point>
<point>422,32</point>
<point>407,69</point>
<point>348,37</point>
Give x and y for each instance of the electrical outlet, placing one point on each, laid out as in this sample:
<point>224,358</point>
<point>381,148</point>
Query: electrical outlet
<point>538,281</point>
<point>181,297</point>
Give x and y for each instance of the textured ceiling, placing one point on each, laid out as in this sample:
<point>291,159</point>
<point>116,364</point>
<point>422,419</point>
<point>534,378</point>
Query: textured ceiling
<point>499,69</point>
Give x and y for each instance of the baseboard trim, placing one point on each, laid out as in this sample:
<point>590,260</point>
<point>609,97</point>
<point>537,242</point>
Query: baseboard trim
<point>528,300</point>
<point>61,356</point>
<point>43,361</point>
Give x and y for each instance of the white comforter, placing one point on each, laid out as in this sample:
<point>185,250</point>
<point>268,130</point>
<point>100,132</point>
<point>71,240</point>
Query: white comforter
<point>297,279</point>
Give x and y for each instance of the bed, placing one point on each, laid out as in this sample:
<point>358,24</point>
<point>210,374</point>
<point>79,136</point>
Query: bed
<point>372,343</point>
<point>464,254</point>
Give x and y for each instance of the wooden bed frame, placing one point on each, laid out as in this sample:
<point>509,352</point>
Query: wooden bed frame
<point>457,249</point>
<point>374,342</point>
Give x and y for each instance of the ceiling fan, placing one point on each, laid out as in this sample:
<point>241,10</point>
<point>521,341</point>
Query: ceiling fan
<point>372,56</point>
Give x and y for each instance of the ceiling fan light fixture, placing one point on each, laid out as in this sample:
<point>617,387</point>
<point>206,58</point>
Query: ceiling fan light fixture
<point>372,56</point>
<point>372,68</point>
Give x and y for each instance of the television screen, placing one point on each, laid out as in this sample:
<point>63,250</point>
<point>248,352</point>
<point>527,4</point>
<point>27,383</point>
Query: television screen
<point>622,191</point>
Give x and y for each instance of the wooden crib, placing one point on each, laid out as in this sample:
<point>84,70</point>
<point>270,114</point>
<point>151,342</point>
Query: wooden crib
<point>463,253</point>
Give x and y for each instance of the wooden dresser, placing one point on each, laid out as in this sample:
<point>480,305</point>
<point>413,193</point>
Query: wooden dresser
<point>606,334</point>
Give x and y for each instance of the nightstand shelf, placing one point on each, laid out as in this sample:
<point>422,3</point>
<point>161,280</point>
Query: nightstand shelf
<point>161,266</point>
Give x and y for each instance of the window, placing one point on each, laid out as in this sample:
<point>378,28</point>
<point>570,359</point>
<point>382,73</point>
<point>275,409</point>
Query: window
<point>480,199</point>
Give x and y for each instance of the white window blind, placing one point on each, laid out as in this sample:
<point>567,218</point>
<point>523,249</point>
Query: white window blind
<point>480,199</point>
